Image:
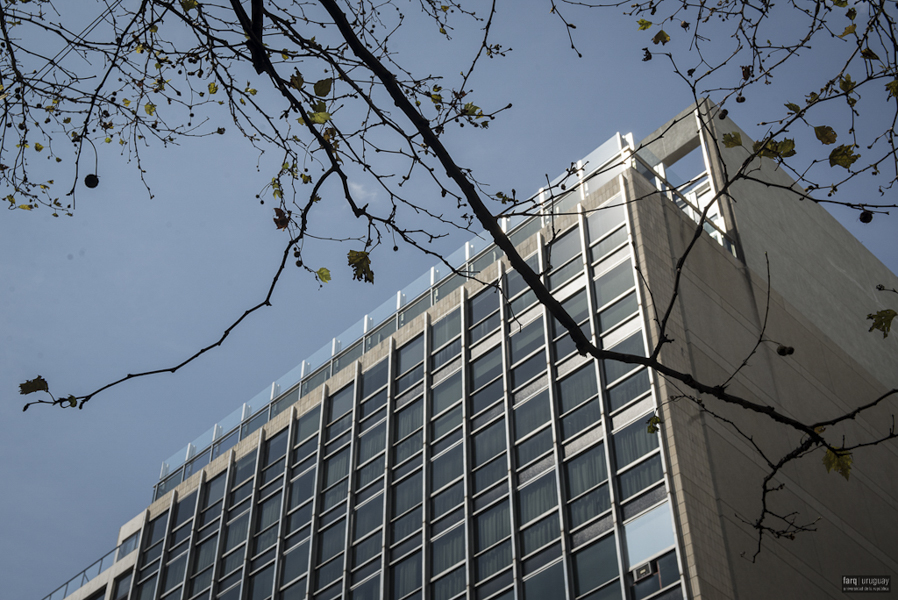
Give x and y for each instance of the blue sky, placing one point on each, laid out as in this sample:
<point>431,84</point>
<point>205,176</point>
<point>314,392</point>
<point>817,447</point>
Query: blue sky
<point>131,283</point>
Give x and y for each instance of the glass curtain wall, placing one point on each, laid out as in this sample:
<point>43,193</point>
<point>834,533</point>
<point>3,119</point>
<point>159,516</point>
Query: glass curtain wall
<point>483,458</point>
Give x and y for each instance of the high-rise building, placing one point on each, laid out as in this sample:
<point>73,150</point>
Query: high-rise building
<point>454,444</point>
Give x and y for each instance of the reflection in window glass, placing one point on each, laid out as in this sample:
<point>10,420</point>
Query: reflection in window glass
<point>527,340</point>
<point>448,550</point>
<point>632,345</point>
<point>649,534</point>
<point>618,312</point>
<point>540,534</point>
<point>340,403</point>
<point>613,283</point>
<point>492,526</point>
<point>534,447</point>
<point>446,328</point>
<point>375,378</point>
<point>576,388</point>
<point>446,393</point>
<point>483,304</point>
<point>604,220</point>
<point>486,397</point>
<point>368,517</point>
<point>407,576</point>
<point>629,389</point>
<point>410,354</point>
<point>514,283</point>
<point>447,467</point>
<point>532,415</point>
<point>295,563</point>
<point>489,442</point>
<point>538,497</point>
<point>407,494</point>
<point>590,505</point>
<point>561,249</point>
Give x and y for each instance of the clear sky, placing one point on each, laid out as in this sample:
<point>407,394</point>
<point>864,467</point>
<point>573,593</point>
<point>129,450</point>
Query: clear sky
<point>131,283</point>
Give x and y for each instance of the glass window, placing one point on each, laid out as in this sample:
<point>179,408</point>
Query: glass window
<point>407,576</point>
<point>641,476</point>
<point>586,470</point>
<point>375,378</point>
<point>632,345</point>
<point>446,328</point>
<point>613,283</point>
<point>486,368</point>
<point>336,468</point>
<point>368,517</point>
<point>236,532</point>
<point>446,393</point>
<point>331,541</point>
<point>244,469</point>
<point>174,573</point>
<point>618,312</point>
<point>584,417</point>
<point>307,424</point>
<point>407,494</point>
<point>590,505</point>
<point>532,415</point>
<point>302,488</point>
<point>595,565</point>
<point>540,533</point>
<point>448,550</point>
<point>122,586</point>
<point>268,512</point>
<point>487,396</point>
<point>534,447</point>
<point>633,442</point>
<point>649,534</point>
<point>494,560</point>
<point>214,490</point>
<point>600,222</point>
<point>410,355</point>
<point>538,497</point>
<point>275,448</point>
<point>445,354</point>
<point>514,283</point>
<point>608,244</point>
<point>447,467</point>
<point>184,510</point>
<point>295,563</point>
<point>260,584</point>
<point>546,584</point>
<point>372,442</point>
<point>446,423</point>
<point>409,419</point>
<point>527,340</point>
<point>340,403</point>
<point>489,442</point>
<point>632,387</point>
<point>490,473</point>
<point>449,499</point>
<point>483,304</point>
<point>577,388</point>
<point>492,526</point>
<point>563,248</point>
<point>156,529</point>
<point>450,586</point>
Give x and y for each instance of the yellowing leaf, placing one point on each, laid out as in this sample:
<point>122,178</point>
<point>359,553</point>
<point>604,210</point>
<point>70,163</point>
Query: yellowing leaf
<point>150,108</point>
<point>139,49</point>
<point>660,38</point>
<point>25,206</point>
<point>793,107</point>
<point>252,91</point>
<point>839,461</point>
<point>444,8</point>
<point>825,134</point>
<point>296,81</point>
<point>154,28</point>
<point>213,87</point>
<point>188,4</point>
<point>643,24</point>
<point>846,84</point>
<point>843,156</point>
<point>323,87</point>
<point>323,275</point>
<point>772,149</point>
<point>732,140</point>
<point>38,384</point>
<point>848,30</point>
<point>38,146</point>
<point>840,3</point>
<point>320,118</point>
<point>892,88</point>
<point>361,266</point>
<point>882,321</point>
<point>869,54</point>
<point>126,102</point>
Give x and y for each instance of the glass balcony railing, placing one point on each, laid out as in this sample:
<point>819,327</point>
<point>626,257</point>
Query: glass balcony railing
<point>95,569</point>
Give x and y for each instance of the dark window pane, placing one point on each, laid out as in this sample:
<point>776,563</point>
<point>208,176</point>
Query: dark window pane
<point>407,576</point>
<point>370,406</point>
<point>486,397</point>
<point>484,328</point>
<point>254,423</point>
<point>407,494</point>
<point>448,550</point>
<point>409,419</point>
<point>492,526</point>
<point>538,497</point>
<point>275,448</point>
<point>592,504</point>
<point>155,530</point>
<point>576,388</point>
<point>586,471</point>
<point>331,541</point>
<point>260,584</point>
<point>336,468</point>
<point>483,304</point>
<point>366,550</point>
<point>633,442</point>
<point>307,424</point>
<point>410,354</point>
<point>514,282</point>
<point>540,534</point>
<point>536,446</point>
<point>337,429</point>
<point>446,393</point>
<point>268,512</point>
<point>375,378</point>
<point>628,389</point>
<point>372,442</point>
<point>214,490</point>
<point>575,267</point>
<point>613,283</point>
<point>369,517</point>
<point>493,561</point>
<point>450,585</point>
<point>295,563</point>
<point>640,477</point>
<point>409,447</point>
<point>532,415</point>
<point>617,312</point>
<point>445,354</point>
<point>174,573</point>
<point>582,418</point>
<point>528,369</point>
<point>244,469</point>
<point>348,357</point>
<point>446,328</point>
<point>595,565</point>
<point>340,403</point>
<point>184,510</point>
<point>447,467</point>
<point>446,423</point>
<point>526,340</point>
<point>301,489</point>
<point>236,532</point>
<point>407,525</point>
<point>447,500</point>
<point>608,244</point>
<point>546,584</point>
<point>409,313</point>
<point>489,442</point>
<point>371,471</point>
<point>562,248</point>
<point>632,345</point>
<point>490,474</point>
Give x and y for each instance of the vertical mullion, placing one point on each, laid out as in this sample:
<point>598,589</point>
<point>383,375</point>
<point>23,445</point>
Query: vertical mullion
<point>350,487</point>
<point>319,474</point>
<point>285,479</point>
